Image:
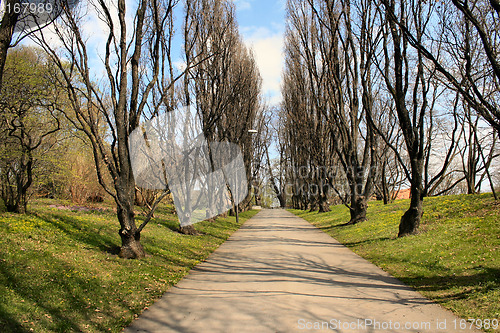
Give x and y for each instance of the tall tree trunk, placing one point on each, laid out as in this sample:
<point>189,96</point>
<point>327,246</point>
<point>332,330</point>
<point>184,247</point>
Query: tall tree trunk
<point>13,206</point>
<point>358,209</point>
<point>282,199</point>
<point>358,204</point>
<point>131,239</point>
<point>385,189</point>
<point>16,197</point>
<point>314,203</point>
<point>410,221</point>
<point>324,207</point>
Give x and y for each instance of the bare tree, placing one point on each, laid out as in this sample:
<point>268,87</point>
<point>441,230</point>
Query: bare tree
<point>337,41</point>
<point>391,177</point>
<point>138,69</point>
<point>475,161</point>
<point>415,90</point>
<point>276,169</point>
<point>225,87</point>
<point>262,139</point>
<point>304,130</point>
<point>471,63</point>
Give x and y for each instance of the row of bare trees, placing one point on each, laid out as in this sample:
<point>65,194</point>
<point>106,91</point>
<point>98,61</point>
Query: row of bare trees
<point>142,80</point>
<point>225,86</point>
<point>377,94</point>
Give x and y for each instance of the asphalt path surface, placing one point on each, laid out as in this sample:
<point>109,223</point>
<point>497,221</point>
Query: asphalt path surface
<point>278,273</point>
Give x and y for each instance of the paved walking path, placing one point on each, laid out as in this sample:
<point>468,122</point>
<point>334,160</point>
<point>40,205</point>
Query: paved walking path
<point>278,273</point>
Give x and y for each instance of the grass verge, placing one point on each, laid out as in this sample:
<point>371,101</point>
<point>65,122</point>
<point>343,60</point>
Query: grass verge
<point>59,271</point>
<point>454,260</point>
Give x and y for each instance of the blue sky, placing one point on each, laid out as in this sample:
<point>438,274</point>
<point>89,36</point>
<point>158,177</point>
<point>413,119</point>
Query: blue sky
<point>262,25</point>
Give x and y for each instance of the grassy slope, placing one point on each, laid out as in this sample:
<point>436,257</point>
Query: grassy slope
<point>455,260</point>
<point>59,271</point>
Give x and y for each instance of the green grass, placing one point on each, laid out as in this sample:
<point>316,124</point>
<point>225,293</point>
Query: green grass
<point>454,260</point>
<point>59,271</point>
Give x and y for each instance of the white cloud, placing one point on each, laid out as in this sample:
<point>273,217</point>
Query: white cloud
<point>180,65</point>
<point>267,46</point>
<point>242,4</point>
